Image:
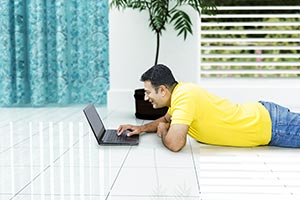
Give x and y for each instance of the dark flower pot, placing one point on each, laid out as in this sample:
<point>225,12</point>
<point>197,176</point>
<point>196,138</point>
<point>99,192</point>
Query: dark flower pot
<point>144,109</point>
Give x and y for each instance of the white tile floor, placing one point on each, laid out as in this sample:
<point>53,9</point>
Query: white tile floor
<point>50,153</point>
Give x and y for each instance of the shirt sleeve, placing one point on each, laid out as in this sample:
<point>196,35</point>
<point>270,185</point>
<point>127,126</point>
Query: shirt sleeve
<point>182,108</point>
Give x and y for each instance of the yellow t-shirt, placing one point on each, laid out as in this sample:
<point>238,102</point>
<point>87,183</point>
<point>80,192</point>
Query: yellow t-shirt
<point>215,120</point>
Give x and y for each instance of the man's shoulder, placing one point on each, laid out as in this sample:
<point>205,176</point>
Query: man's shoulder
<point>183,103</point>
<point>184,91</point>
<point>187,87</point>
<point>187,84</point>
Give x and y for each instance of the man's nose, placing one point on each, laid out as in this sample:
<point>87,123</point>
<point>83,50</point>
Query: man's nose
<point>146,98</point>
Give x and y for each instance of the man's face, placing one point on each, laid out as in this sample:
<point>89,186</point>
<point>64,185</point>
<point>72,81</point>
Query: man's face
<point>153,96</point>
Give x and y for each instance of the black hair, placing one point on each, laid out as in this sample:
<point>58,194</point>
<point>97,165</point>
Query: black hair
<point>159,75</point>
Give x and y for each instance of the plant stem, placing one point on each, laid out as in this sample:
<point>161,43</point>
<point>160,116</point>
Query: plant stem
<point>157,47</point>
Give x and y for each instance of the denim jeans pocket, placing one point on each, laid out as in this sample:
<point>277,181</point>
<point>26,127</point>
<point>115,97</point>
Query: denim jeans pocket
<point>283,115</point>
<point>287,118</point>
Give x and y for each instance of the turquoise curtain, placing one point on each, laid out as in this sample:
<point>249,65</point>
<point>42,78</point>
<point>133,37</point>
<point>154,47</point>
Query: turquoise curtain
<point>53,52</point>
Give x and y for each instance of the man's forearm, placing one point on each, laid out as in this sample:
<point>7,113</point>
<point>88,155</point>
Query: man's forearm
<point>173,137</point>
<point>152,126</point>
<point>166,142</point>
<point>163,136</point>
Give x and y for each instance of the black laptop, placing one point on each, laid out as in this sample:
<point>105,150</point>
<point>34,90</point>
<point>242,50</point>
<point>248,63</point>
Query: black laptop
<point>107,137</point>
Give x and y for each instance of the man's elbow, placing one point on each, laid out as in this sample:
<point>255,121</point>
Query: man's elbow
<point>175,147</point>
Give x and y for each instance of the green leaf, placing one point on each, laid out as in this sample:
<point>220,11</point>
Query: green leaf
<point>118,4</point>
<point>159,14</point>
<point>182,23</point>
<point>136,4</point>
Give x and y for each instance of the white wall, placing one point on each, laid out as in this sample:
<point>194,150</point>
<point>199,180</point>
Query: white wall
<point>132,51</point>
<point>282,91</point>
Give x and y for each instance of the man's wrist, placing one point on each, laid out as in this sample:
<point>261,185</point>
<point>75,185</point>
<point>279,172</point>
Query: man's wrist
<point>164,133</point>
<point>163,138</point>
<point>143,128</point>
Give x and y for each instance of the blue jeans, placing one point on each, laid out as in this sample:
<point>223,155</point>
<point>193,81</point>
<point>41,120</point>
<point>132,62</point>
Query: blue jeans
<point>285,125</point>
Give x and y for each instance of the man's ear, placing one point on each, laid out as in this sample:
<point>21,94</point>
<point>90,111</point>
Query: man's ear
<point>163,90</point>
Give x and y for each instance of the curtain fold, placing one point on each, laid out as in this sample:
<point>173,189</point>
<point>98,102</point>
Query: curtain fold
<point>53,52</point>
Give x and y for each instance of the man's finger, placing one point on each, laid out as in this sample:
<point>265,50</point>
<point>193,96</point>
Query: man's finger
<point>120,131</point>
<point>131,133</point>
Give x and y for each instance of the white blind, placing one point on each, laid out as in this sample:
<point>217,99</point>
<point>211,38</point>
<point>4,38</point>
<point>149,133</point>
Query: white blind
<point>251,41</point>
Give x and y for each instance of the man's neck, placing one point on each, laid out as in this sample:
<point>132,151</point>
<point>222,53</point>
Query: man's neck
<point>173,87</point>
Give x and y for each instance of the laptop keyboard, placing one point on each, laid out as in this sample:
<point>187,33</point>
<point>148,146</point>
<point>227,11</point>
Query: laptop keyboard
<point>111,136</point>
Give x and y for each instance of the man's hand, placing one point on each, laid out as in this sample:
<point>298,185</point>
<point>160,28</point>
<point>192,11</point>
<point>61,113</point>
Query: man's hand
<point>135,130</point>
<point>162,128</point>
<point>174,138</point>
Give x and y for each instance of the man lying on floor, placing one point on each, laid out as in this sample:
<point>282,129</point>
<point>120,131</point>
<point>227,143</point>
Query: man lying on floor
<point>210,119</point>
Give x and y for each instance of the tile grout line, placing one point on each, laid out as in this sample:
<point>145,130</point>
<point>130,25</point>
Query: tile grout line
<point>155,167</point>
<point>195,169</point>
<point>108,194</point>
<point>277,177</point>
<point>24,117</point>
<point>47,167</point>
<point>156,171</point>
<point>25,139</point>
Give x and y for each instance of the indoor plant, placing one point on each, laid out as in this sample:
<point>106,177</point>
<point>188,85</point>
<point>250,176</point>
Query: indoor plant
<point>162,12</point>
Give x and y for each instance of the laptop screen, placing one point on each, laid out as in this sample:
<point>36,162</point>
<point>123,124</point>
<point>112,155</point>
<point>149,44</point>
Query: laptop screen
<point>95,121</point>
